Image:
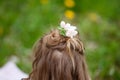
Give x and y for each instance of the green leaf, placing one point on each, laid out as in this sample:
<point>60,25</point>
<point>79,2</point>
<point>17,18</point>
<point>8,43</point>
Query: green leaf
<point>62,31</point>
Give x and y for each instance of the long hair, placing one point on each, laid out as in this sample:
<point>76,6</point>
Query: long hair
<point>58,58</point>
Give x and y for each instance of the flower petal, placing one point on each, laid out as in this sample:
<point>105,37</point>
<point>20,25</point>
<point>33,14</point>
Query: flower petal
<point>67,26</point>
<point>74,27</point>
<point>62,24</point>
<point>75,33</point>
<point>71,33</point>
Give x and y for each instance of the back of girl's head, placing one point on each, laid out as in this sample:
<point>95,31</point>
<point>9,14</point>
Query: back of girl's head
<point>59,57</point>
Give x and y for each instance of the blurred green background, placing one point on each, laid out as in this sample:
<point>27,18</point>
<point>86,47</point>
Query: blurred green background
<point>22,22</point>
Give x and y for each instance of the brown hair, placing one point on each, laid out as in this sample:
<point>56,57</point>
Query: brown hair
<point>59,58</point>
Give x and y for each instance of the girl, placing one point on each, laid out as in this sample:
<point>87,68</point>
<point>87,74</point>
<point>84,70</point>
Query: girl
<point>59,55</point>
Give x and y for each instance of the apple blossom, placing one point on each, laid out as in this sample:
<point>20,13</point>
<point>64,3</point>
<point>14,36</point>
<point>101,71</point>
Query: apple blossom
<point>71,33</point>
<point>62,24</point>
<point>69,30</point>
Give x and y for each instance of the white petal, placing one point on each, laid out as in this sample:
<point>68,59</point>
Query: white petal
<point>71,33</point>
<point>68,33</point>
<point>62,24</point>
<point>74,27</point>
<point>75,33</point>
<point>67,26</point>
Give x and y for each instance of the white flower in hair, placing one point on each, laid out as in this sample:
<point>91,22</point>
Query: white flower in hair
<point>67,26</point>
<point>62,24</point>
<point>72,28</point>
<point>71,33</point>
<point>67,29</point>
